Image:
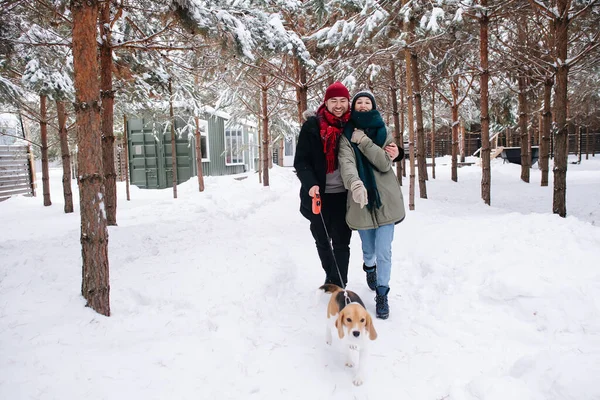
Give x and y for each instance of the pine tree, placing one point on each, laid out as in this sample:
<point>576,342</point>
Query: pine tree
<point>95,286</point>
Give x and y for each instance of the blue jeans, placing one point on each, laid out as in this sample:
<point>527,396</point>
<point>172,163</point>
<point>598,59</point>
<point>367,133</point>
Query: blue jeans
<point>377,249</point>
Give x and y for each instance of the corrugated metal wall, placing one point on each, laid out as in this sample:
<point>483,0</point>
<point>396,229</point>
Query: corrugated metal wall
<point>15,171</point>
<point>216,149</point>
<point>150,154</point>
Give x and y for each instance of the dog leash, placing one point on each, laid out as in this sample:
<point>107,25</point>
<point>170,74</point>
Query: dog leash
<point>316,209</point>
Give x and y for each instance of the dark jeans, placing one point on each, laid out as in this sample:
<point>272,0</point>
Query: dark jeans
<point>333,210</point>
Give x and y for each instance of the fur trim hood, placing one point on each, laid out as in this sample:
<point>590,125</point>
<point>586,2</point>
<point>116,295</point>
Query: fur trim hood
<point>309,113</point>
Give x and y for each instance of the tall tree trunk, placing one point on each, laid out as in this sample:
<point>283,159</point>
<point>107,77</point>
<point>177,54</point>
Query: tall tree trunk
<point>95,286</point>
<point>455,127</point>
<point>30,156</point>
<point>265,133</point>
<point>402,108</point>
<point>559,201</point>
<point>199,156</point>
<point>66,156</point>
<point>411,130</point>
<point>523,105</point>
<point>44,139</point>
<point>259,138</point>
<point>281,151</point>
<point>301,89</point>
<point>408,29</point>
<point>433,132</point>
<point>199,148</point>
<point>587,142</point>
<point>524,133</point>
<point>532,128</point>
<point>421,155</point>
<point>173,140</point>
<point>126,151</point>
<point>108,100</point>
<point>485,153</point>
<point>394,99</point>
<point>463,141</point>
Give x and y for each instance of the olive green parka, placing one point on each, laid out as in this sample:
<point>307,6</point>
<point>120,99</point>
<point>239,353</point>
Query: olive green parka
<point>392,202</point>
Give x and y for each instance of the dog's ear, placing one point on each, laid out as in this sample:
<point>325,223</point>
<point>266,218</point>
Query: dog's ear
<point>339,324</point>
<point>370,328</point>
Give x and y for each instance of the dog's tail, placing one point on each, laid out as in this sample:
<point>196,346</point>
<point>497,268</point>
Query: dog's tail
<point>330,288</point>
<point>326,288</point>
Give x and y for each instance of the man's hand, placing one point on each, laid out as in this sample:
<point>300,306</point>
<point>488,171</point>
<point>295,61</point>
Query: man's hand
<point>313,191</point>
<point>392,150</point>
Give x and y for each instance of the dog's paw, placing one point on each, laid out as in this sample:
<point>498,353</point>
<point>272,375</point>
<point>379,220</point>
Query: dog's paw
<point>358,380</point>
<point>349,364</point>
<point>328,341</point>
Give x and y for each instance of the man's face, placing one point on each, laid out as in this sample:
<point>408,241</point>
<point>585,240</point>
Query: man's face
<point>363,104</point>
<point>337,106</point>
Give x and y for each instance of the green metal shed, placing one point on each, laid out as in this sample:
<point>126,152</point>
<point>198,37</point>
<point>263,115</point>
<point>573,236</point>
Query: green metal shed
<point>225,150</point>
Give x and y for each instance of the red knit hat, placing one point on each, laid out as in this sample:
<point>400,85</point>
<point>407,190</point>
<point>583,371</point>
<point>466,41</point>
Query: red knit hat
<point>337,89</point>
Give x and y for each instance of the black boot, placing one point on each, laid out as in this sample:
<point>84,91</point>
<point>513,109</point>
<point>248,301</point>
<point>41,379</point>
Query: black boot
<point>327,264</point>
<point>371,276</point>
<point>382,308</point>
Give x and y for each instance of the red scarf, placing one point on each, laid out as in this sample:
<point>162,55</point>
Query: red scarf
<point>331,128</point>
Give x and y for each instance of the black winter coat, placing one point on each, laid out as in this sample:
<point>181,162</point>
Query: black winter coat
<point>309,163</point>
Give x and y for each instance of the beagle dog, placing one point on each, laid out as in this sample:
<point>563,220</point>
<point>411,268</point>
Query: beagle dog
<point>347,313</point>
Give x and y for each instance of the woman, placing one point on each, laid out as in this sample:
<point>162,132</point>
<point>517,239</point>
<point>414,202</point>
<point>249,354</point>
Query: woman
<point>374,202</point>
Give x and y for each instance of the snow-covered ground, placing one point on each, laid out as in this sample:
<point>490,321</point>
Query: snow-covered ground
<point>213,296</point>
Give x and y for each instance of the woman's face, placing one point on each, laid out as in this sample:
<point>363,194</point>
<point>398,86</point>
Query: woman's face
<point>363,104</point>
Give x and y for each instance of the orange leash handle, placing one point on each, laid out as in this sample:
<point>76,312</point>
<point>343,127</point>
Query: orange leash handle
<point>316,204</point>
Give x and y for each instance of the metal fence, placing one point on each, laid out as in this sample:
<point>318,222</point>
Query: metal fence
<point>16,171</point>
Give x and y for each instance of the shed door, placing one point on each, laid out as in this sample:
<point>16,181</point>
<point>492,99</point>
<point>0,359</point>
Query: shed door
<point>144,153</point>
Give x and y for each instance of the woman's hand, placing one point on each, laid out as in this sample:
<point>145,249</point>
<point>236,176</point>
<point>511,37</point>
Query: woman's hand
<point>313,191</point>
<point>357,136</point>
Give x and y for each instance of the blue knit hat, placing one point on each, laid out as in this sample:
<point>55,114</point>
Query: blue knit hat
<point>364,93</point>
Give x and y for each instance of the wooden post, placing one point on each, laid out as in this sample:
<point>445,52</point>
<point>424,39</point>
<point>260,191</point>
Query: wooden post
<point>126,155</point>
<point>579,144</point>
